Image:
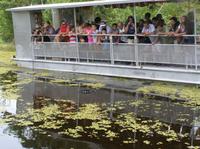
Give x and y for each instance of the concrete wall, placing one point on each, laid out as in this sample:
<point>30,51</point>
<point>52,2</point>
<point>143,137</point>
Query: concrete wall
<point>147,73</point>
<point>22,31</point>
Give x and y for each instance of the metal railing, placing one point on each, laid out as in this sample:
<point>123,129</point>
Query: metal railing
<point>176,55</point>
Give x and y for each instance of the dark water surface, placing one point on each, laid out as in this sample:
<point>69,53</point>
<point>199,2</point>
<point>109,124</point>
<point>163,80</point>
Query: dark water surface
<point>118,97</point>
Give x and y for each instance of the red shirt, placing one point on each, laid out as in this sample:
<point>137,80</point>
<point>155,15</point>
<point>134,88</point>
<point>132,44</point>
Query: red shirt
<point>64,28</point>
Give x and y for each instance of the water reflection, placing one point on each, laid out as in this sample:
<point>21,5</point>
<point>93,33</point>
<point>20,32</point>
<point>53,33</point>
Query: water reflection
<point>35,93</point>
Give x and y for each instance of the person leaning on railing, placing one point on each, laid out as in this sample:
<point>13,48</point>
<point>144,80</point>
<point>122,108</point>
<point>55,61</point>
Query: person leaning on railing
<point>72,35</point>
<point>94,33</point>
<point>182,31</point>
<point>147,31</point>
<point>80,32</point>
<point>37,35</point>
<point>62,35</point>
<point>48,31</point>
<point>103,37</point>
<point>130,29</point>
<point>121,28</point>
<point>159,32</point>
<point>173,26</point>
<point>88,30</point>
<point>115,31</point>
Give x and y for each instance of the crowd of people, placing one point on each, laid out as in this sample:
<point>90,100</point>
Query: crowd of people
<point>151,30</point>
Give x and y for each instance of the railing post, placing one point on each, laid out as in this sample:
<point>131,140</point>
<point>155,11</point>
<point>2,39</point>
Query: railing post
<point>111,50</point>
<point>136,51</point>
<point>44,47</point>
<point>196,59</point>
<point>195,39</point>
<point>77,43</point>
<point>33,52</point>
<point>135,38</point>
<point>64,52</point>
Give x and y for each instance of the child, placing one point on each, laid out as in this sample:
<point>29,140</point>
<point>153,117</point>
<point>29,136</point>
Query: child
<point>115,30</point>
<point>72,35</point>
<point>94,33</point>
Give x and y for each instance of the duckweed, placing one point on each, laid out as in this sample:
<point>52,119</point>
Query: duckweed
<point>190,94</point>
<point>93,122</point>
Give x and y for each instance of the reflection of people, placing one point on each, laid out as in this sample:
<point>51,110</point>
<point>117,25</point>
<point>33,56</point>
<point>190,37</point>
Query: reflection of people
<point>195,131</point>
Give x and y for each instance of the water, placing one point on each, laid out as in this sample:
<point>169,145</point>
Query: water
<point>131,117</point>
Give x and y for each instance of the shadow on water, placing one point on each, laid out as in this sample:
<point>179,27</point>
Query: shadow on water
<point>134,117</point>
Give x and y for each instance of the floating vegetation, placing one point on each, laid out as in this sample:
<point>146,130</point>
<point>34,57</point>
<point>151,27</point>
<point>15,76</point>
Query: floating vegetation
<point>75,133</point>
<point>61,81</point>
<point>94,85</point>
<point>193,147</point>
<point>88,112</point>
<point>4,70</point>
<point>75,83</point>
<point>124,122</point>
<point>93,121</point>
<point>189,94</point>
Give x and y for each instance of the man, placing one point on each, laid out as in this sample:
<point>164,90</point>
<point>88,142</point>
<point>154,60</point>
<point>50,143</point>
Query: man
<point>148,30</point>
<point>104,25</point>
<point>48,32</point>
<point>62,35</point>
<point>147,17</point>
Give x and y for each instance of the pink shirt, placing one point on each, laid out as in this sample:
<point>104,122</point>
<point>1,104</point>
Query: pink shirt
<point>90,37</point>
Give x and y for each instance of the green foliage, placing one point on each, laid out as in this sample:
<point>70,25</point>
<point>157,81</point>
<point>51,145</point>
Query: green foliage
<point>6,28</point>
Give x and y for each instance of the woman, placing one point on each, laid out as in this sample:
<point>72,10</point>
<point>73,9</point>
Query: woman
<point>181,30</point>
<point>130,29</point>
<point>185,28</point>
<point>121,28</point>
<point>88,30</point>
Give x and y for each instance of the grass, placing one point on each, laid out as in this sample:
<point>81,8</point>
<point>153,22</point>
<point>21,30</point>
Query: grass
<point>7,51</point>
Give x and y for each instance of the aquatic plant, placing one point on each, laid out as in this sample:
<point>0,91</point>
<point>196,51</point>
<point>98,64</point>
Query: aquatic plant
<point>97,124</point>
<point>189,93</point>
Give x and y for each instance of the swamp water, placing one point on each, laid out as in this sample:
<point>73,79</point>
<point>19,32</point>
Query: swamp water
<point>49,110</point>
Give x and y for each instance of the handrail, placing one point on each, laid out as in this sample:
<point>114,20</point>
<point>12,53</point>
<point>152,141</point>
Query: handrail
<point>120,35</point>
<point>137,53</point>
<point>135,37</point>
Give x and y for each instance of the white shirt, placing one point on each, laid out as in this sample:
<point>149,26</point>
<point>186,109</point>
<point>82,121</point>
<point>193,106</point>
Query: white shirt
<point>108,28</point>
<point>150,29</point>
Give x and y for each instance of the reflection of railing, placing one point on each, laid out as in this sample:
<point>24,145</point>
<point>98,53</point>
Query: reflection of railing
<point>121,53</point>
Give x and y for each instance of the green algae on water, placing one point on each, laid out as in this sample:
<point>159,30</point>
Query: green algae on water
<point>189,93</point>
